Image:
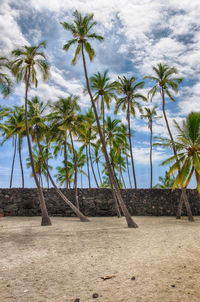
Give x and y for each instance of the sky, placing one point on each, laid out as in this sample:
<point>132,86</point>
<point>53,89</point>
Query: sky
<point>138,34</point>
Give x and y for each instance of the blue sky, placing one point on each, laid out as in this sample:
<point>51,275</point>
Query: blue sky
<point>138,35</point>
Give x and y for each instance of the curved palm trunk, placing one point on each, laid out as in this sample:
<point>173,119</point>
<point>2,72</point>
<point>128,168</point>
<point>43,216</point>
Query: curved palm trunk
<point>115,188</point>
<point>69,203</point>
<point>45,217</point>
<point>130,145</point>
<point>13,161</point>
<point>20,160</point>
<point>75,171</point>
<point>92,166</point>
<point>151,166</point>
<point>127,167</point>
<point>183,190</point>
<point>88,169</point>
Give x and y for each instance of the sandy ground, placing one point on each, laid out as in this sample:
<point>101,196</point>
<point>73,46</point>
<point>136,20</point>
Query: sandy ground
<point>67,261</point>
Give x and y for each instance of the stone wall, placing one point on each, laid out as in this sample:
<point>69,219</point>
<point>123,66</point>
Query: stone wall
<point>95,202</point>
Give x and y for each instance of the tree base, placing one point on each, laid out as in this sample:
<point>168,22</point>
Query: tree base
<point>132,224</point>
<point>46,221</point>
<point>191,219</point>
<point>84,219</point>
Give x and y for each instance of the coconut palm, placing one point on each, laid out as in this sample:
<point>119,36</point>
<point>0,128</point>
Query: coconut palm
<point>150,115</point>
<point>63,112</point>
<point>37,109</point>
<point>28,61</point>
<point>187,159</point>
<point>81,31</point>
<point>128,87</point>
<point>103,91</point>
<point>14,127</point>
<point>5,82</point>
<point>166,182</point>
<point>166,83</point>
<point>87,134</point>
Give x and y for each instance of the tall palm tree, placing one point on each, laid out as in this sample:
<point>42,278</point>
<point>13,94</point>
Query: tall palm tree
<point>37,108</point>
<point>63,113</point>
<point>187,159</point>
<point>128,87</point>
<point>28,61</point>
<point>166,83</point>
<point>5,82</point>
<point>104,90</point>
<point>14,127</point>
<point>150,115</point>
<point>81,31</point>
<point>87,134</point>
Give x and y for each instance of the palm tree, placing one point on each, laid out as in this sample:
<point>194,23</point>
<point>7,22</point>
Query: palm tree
<point>87,134</point>
<point>166,182</point>
<point>104,90</point>
<point>150,114</point>
<point>63,113</point>
<point>37,109</point>
<point>128,87</point>
<point>81,31</point>
<point>5,82</point>
<point>28,61</point>
<point>166,83</point>
<point>187,158</point>
<point>14,127</point>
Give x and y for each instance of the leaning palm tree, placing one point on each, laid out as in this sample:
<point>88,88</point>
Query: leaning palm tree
<point>36,108</point>
<point>150,114</point>
<point>187,159</point>
<point>128,87</point>
<point>103,90</point>
<point>81,31</point>
<point>5,82</point>
<point>166,83</point>
<point>28,61</point>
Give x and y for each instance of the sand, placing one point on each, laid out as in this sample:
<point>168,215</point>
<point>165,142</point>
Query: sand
<point>68,260</point>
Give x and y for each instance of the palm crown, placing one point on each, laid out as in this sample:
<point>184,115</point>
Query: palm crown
<point>28,60</point>
<point>81,30</point>
<point>5,82</point>
<point>187,145</point>
<point>164,78</point>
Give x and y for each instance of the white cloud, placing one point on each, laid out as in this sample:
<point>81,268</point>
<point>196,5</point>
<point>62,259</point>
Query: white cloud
<point>11,35</point>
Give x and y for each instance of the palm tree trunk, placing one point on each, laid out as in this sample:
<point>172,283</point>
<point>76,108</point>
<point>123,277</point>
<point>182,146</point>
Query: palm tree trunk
<point>20,160</point>
<point>75,172</point>
<point>184,196</point>
<point>103,115</point>
<point>69,203</point>
<point>127,167</point>
<point>45,217</point>
<point>66,162</point>
<point>99,172</point>
<point>47,156</point>
<point>115,189</point>
<point>92,166</point>
<point>151,167</point>
<point>130,145</point>
<point>86,149</point>
<point>13,161</point>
